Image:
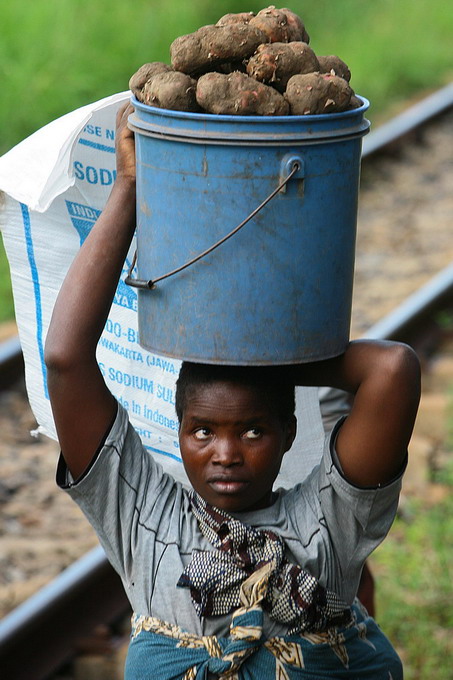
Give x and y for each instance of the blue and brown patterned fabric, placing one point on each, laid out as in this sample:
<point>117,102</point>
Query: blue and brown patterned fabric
<point>358,651</point>
<point>292,597</point>
<point>247,573</point>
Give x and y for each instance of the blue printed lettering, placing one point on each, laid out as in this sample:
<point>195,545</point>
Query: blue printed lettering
<point>93,175</point>
<point>82,217</point>
<point>157,417</point>
<point>163,364</point>
<point>110,134</point>
<point>128,300</point>
<point>106,177</point>
<point>145,434</point>
<point>132,335</point>
<point>113,327</point>
<point>125,352</point>
<point>165,393</point>
<point>78,169</point>
<point>124,403</point>
<point>129,380</point>
<point>93,130</point>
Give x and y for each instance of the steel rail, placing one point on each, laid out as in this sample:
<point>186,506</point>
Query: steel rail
<point>90,592</point>
<point>413,118</point>
<point>401,324</point>
<point>38,636</point>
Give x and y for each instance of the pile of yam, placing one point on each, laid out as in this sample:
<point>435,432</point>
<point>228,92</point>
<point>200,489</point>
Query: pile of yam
<point>247,65</point>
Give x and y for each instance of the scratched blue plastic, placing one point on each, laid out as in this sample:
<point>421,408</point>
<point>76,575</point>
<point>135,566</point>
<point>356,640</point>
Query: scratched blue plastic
<point>280,290</point>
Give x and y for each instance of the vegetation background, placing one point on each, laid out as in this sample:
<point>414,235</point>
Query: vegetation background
<point>57,55</point>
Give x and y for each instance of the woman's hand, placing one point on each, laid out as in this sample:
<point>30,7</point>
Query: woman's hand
<point>125,145</point>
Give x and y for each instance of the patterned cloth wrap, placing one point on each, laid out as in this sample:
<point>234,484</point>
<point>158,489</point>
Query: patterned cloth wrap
<point>292,596</point>
<point>357,650</point>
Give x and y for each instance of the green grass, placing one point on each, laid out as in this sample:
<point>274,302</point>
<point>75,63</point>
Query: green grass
<point>6,295</point>
<point>413,570</point>
<point>414,575</point>
<point>57,55</point>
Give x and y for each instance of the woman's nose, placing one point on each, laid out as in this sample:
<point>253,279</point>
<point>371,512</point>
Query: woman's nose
<point>227,452</point>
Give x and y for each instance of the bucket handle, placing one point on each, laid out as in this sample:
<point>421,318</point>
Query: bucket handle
<point>149,285</point>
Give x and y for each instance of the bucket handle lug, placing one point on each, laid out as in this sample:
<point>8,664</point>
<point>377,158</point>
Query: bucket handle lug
<point>291,166</point>
<point>288,163</point>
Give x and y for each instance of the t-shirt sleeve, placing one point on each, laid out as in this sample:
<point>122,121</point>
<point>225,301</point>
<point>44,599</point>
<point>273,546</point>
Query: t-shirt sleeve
<point>123,491</point>
<point>358,519</point>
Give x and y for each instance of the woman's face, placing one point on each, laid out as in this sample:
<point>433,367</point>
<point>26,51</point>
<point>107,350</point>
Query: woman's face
<point>232,444</point>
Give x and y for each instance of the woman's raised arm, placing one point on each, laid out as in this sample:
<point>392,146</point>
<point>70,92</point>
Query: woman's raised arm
<point>82,405</point>
<point>385,379</point>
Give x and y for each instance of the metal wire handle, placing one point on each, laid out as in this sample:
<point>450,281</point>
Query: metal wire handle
<point>142,283</point>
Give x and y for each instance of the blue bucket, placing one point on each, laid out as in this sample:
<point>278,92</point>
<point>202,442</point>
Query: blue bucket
<point>279,290</point>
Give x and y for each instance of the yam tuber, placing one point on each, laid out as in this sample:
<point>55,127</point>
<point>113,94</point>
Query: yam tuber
<point>276,25</point>
<point>146,72</point>
<point>296,29</point>
<point>171,90</point>
<point>313,93</point>
<point>333,63</point>
<point>239,95</point>
<point>247,64</point>
<point>276,62</point>
<point>212,45</point>
<point>239,18</point>
<point>355,102</point>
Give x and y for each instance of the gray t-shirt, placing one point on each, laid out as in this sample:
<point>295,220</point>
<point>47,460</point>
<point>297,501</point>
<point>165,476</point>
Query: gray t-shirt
<point>144,523</point>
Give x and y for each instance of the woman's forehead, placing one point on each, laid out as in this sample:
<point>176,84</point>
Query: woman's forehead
<point>224,398</point>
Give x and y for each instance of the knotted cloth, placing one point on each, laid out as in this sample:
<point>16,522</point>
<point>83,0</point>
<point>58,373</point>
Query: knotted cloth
<point>358,651</point>
<point>249,568</point>
<point>292,596</point>
<point>222,656</point>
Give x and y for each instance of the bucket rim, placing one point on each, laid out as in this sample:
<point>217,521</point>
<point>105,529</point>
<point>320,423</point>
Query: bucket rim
<point>224,118</point>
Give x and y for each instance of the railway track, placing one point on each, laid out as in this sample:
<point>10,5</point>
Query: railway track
<point>39,635</point>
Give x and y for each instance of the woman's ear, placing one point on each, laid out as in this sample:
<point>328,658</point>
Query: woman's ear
<point>291,430</point>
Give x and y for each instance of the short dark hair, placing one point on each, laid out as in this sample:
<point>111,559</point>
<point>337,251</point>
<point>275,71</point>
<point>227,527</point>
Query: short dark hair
<point>274,382</point>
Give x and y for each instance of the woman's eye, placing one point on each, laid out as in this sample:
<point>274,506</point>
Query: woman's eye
<point>253,433</point>
<point>202,433</point>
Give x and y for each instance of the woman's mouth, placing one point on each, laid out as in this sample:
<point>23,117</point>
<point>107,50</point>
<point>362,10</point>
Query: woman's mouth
<point>224,485</point>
